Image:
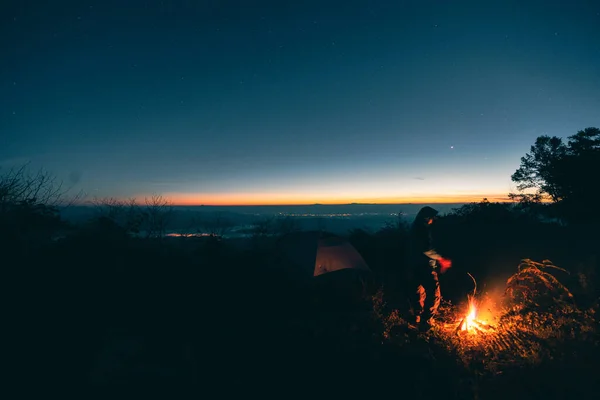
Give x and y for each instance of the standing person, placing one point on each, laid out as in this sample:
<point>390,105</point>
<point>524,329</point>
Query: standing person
<point>424,261</point>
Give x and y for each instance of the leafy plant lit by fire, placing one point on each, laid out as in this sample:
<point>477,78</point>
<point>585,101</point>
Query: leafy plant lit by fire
<point>536,312</point>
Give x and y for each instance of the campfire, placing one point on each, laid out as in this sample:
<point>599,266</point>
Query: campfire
<point>469,322</point>
<point>536,312</point>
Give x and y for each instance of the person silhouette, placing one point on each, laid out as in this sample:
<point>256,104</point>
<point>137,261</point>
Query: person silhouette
<point>426,264</point>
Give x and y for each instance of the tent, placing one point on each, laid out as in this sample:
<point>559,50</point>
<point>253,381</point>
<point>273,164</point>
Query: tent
<point>312,254</point>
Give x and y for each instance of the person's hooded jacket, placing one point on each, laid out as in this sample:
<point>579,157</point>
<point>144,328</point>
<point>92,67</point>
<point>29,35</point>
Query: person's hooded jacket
<point>421,241</point>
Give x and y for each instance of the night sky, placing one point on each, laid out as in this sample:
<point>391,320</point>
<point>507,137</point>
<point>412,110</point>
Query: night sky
<point>266,102</point>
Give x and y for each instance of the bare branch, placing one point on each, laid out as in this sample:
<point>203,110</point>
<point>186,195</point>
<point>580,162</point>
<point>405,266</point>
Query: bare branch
<point>19,186</point>
<point>157,211</point>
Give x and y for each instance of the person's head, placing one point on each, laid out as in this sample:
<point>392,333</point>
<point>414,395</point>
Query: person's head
<point>426,216</point>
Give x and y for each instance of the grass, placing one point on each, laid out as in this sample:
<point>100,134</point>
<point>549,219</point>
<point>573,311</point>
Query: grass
<point>532,332</point>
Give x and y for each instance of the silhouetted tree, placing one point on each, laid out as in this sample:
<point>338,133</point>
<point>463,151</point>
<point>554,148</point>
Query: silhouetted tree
<point>134,218</point>
<point>561,172</point>
<point>157,212</point>
<point>19,185</point>
<point>576,172</point>
<point>127,214</point>
<point>108,207</point>
<point>485,212</point>
<point>538,168</point>
<point>29,204</point>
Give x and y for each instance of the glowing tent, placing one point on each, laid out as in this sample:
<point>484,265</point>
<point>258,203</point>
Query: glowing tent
<point>312,254</point>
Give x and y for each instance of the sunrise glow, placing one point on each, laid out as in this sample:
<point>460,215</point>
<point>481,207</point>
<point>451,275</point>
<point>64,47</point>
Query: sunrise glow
<point>252,199</point>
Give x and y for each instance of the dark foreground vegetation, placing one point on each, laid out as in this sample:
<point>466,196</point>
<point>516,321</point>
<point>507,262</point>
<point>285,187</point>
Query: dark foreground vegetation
<point>96,310</point>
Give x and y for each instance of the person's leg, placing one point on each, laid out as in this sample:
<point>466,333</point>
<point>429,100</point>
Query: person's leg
<point>432,298</point>
<point>421,295</point>
<point>436,294</point>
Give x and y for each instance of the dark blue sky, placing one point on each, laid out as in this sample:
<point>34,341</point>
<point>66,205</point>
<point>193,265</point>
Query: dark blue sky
<point>277,102</point>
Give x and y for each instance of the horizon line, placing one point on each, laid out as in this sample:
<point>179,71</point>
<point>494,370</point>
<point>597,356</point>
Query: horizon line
<point>304,199</point>
<point>386,203</point>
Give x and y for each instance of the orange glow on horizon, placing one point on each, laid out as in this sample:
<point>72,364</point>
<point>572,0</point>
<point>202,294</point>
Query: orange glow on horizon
<point>276,199</point>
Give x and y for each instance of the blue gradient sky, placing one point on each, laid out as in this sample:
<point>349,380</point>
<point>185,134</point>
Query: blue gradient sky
<point>223,102</point>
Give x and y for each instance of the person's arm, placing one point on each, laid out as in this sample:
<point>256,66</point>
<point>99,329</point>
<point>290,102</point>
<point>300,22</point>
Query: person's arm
<point>445,263</point>
<point>432,254</point>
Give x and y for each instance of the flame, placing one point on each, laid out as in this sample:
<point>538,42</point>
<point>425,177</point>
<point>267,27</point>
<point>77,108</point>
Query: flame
<point>470,322</point>
<point>470,319</point>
